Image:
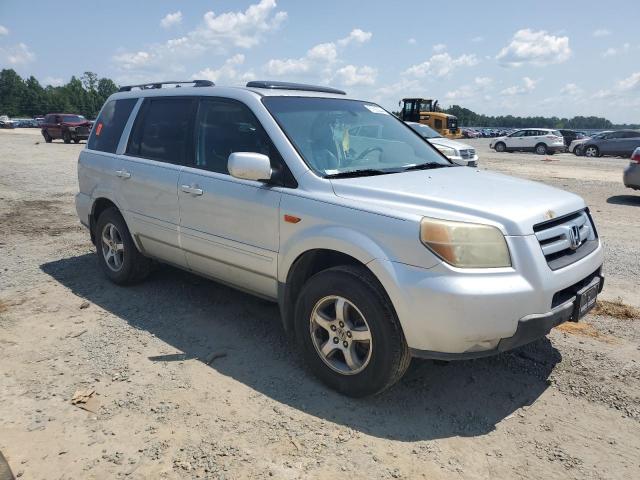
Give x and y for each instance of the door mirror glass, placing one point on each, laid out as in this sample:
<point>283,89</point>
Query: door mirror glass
<point>249,166</point>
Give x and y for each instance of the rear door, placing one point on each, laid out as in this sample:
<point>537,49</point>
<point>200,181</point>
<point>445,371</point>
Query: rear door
<point>159,144</point>
<point>230,227</point>
<point>629,143</point>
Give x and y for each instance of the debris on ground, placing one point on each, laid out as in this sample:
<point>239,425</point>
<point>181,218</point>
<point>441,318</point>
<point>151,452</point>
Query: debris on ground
<point>617,309</point>
<point>86,400</point>
<point>214,356</point>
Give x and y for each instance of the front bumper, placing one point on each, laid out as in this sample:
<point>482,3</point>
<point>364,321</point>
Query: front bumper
<point>529,329</point>
<point>466,313</point>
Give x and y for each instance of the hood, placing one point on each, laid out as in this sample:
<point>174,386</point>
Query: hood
<point>450,143</point>
<point>464,194</point>
<point>76,124</point>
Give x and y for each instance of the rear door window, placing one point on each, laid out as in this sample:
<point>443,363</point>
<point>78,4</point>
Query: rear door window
<point>108,128</point>
<point>163,130</point>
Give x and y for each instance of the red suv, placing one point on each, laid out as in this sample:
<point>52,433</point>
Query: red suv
<point>66,126</point>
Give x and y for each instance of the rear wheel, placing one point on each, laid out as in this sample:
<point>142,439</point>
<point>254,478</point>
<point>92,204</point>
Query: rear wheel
<point>541,149</point>
<point>117,253</point>
<point>591,151</point>
<point>500,147</point>
<point>47,137</point>
<point>348,332</point>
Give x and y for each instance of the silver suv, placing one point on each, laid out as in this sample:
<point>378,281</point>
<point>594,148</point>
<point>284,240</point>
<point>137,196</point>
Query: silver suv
<point>376,248</point>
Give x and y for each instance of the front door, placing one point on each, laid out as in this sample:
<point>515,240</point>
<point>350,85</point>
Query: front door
<point>161,142</point>
<point>229,227</point>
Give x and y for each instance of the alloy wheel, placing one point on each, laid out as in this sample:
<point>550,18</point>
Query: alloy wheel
<point>112,247</point>
<point>341,335</point>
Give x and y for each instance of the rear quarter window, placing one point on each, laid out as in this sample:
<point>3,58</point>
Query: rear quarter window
<point>108,128</point>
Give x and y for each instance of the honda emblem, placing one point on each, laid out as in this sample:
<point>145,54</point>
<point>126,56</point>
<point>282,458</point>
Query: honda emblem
<point>574,237</point>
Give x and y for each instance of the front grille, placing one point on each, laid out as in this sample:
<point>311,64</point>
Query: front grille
<point>467,154</point>
<point>567,239</point>
<point>82,130</point>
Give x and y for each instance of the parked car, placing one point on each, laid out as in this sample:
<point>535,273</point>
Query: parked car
<point>69,127</point>
<point>469,133</point>
<point>576,146</point>
<point>458,152</point>
<point>24,123</point>
<point>618,143</point>
<point>571,135</point>
<point>6,122</point>
<point>376,248</point>
<point>631,175</point>
<point>540,140</point>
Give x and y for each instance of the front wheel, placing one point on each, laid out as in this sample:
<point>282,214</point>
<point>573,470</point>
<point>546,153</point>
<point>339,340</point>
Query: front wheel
<point>541,149</point>
<point>348,332</point>
<point>117,253</point>
<point>500,147</point>
<point>47,137</point>
<point>591,151</point>
<point>66,137</point>
<point>76,140</point>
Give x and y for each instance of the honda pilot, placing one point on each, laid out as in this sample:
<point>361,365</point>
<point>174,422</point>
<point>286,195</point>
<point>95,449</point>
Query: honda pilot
<point>376,248</point>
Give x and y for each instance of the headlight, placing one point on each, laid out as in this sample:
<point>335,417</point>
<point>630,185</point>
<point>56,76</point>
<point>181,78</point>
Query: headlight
<point>446,151</point>
<point>465,245</point>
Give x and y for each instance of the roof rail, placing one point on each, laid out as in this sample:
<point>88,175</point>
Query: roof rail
<point>274,85</point>
<point>146,86</point>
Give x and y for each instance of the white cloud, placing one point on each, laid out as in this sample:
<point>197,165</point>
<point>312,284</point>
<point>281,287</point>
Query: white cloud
<point>630,83</point>
<point>535,48</point>
<point>528,85</point>
<point>351,75</point>
<point>476,89</point>
<point>477,39</point>
<point>571,89</point>
<point>601,32</point>
<point>171,19</point>
<point>612,52</point>
<point>440,65</point>
<point>356,36</point>
<point>411,41</point>
<point>228,72</point>
<point>439,47</point>
<point>53,81</point>
<point>133,60</point>
<point>323,61</point>
<point>19,54</point>
<point>3,31</point>
<point>217,33</point>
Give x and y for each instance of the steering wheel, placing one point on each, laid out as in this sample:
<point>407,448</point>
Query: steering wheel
<point>367,152</point>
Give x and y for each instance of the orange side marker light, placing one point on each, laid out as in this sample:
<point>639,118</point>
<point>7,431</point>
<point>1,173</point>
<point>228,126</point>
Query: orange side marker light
<point>291,219</point>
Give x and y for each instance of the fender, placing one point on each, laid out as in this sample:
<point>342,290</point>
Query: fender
<point>341,239</point>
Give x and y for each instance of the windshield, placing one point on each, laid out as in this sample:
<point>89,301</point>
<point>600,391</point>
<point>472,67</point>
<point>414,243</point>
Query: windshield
<point>336,135</point>
<point>73,118</point>
<point>424,130</point>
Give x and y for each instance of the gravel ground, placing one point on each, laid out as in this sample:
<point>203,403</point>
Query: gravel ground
<point>195,380</point>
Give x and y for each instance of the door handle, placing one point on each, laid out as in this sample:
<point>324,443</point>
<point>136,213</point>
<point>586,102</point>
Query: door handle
<point>123,174</point>
<point>192,189</point>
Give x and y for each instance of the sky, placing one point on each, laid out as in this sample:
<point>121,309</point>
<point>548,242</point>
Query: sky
<point>561,58</point>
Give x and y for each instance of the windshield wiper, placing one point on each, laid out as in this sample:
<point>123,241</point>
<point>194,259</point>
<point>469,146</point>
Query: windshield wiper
<point>426,166</point>
<point>365,172</point>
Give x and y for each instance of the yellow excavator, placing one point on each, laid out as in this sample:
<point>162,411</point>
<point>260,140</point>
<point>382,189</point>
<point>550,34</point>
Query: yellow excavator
<point>426,111</point>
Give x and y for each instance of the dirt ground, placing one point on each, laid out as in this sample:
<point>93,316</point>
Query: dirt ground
<point>195,380</point>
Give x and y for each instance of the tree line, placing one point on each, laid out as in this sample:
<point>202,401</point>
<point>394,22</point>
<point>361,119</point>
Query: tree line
<point>469,118</point>
<point>28,98</point>
<point>85,95</point>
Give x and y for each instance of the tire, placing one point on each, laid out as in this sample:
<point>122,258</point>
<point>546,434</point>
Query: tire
<point>376,363</point>
<point>591,151</point>
<point>541,149</point>
<point>47,137</point>
<point>500,147</point>
<point>76,140</point>
<point>118,256</point>
<point>66,137</point>
<point>577,151</point>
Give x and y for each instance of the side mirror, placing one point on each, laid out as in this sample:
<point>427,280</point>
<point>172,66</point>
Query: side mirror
<point>249,166</point>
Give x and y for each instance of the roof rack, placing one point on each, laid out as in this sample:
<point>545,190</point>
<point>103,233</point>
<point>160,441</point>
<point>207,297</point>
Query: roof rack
<point>274,85</point>
<point>146,86</point>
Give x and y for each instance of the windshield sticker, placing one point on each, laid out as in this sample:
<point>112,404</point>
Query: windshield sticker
<point>376,109</point>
